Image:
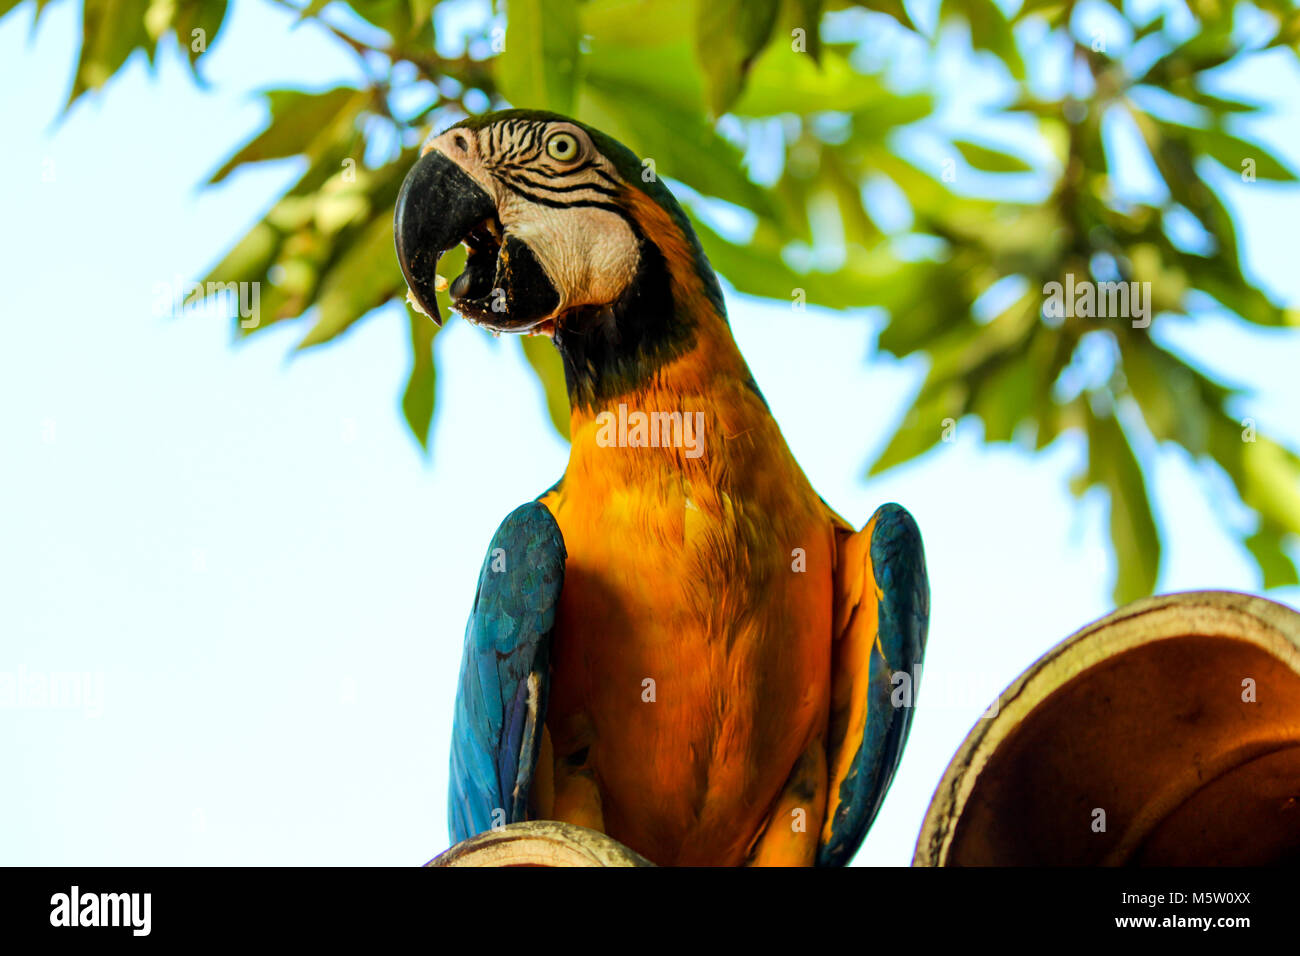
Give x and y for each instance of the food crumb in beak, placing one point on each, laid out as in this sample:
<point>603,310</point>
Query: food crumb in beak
<point>414,302</point>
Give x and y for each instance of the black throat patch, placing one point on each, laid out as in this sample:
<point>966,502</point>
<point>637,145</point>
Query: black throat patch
<point>610,350</point>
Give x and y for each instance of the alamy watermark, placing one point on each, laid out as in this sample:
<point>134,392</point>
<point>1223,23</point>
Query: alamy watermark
<point>1086,299</point>
<point>637,429</point>
<point>129,910</point>
<point>945,690</point>
<point>177,297</point>
<point>52,690</point>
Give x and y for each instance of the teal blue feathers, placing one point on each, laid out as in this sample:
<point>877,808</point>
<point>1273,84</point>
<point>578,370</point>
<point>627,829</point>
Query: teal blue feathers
<point>504,679</point>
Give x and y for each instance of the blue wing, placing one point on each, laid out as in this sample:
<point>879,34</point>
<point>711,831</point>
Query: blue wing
<point>884,565</point>
<point>504,676</point>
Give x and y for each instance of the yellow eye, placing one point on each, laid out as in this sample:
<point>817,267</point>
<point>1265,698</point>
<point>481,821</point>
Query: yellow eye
<point>562,146</point>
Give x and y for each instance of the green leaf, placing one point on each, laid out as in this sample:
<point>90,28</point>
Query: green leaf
<point>301,123</point>
<point>418,398</point>
<point>1005,398</point>
<point>363,278</point>
<point>313,8</point>
<point>1003,390</point>
<point>1267,477</point>
<point>110,31</point>
<point>1055,420</point>
<point>628,47</point>
<point>1206,49</point>
<point>989,30</point>
<point>929,299</point>
<point>893,8</point>
<point>1220,277</point>
<point>783,81</point>
<point>969,349</point>
<point>306,235</point>
<point>682,144</point>
<point>1112,463</point>
<point>204,16</point>
<point>1177,402</point>
<point>845,193</point>
<point>391,16</point>
<point>757,268</point>
<point>1155,26</point>
<point>548,366</point>
<point>1270,482</point>
<point>728,36</point>
<point>1053,11</point>
<point>539,66</point>
<point>1226,149</point>
<point>1219,104</point>
<point>1233,153</point>
<point>925,424</point>
<point>990,160</point>
<point>1277,568</point>
<point>806,15</point>
<point>251,257</point>
<point>1174,151</point>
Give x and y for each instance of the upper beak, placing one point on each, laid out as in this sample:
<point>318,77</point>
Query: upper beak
<point>438,206</point>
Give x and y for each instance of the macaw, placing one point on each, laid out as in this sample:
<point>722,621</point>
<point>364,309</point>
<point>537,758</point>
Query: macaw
<point>679,644</point>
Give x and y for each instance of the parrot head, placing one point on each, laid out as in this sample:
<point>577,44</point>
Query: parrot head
<point>568,234</point>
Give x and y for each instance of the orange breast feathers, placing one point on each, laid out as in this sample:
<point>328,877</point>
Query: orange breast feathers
<point>691,665</point>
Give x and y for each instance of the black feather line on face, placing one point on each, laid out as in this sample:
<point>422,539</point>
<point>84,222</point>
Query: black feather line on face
<point>523,181</point>
<point>563,203</point>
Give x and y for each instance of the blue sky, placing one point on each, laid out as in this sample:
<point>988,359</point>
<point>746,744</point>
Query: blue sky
<point>268,584</point>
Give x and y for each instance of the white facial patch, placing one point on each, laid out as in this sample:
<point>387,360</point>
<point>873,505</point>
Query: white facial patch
<point>589,254</point>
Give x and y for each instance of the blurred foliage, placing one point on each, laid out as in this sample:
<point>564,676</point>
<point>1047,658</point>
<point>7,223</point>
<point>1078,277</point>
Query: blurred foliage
<point>777,107</point>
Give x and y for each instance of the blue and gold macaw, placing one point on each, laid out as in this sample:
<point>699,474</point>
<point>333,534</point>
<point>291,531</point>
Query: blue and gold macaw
<point>679,644</point>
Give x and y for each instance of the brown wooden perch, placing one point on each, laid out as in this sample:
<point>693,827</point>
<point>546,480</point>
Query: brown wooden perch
<point>1174,723</point>
<point>540,843</point>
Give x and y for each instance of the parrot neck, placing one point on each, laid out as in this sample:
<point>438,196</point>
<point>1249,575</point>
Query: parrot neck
<point>681,418</point>
<point>673,302</point>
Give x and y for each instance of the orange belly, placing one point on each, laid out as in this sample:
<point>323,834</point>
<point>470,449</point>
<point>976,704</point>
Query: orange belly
<point>691,665</point>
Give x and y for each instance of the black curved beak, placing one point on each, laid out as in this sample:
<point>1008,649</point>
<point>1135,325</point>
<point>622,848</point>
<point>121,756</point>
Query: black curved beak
<point>438,206</point>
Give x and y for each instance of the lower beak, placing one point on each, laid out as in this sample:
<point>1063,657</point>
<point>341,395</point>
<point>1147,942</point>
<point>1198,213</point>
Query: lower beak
<point>438,206</point>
